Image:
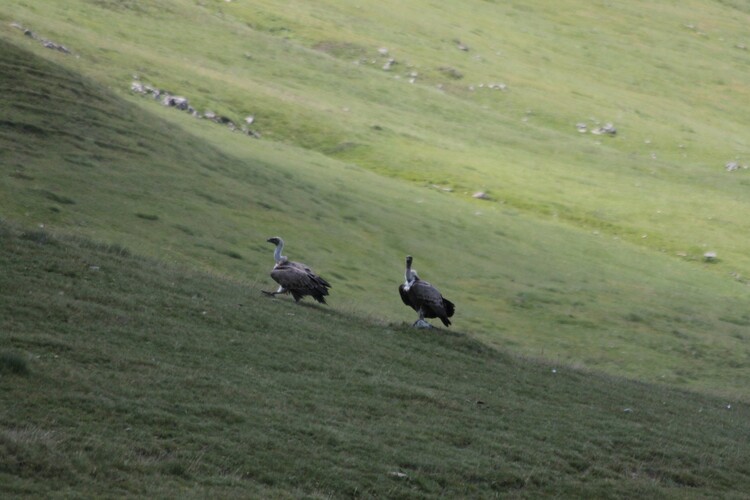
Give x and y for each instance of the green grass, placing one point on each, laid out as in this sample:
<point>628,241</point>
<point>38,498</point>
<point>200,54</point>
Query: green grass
<point>191,192</point>
<point>680,119</point>
<point>147,379</point>
<point>589,253</point>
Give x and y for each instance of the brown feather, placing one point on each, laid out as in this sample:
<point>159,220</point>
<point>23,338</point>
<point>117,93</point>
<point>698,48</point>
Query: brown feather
<point>300,280</point>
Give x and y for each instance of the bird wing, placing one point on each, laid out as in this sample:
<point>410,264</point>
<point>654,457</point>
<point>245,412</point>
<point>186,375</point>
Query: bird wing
<point>296,276</point>
<point>405,296</point>
<point>428,297</point>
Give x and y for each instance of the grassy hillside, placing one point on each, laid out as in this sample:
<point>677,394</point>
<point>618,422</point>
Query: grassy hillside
<point>670,77</point>
<point>138,356</point>
<point>123,376</point>
<point>164,184</point>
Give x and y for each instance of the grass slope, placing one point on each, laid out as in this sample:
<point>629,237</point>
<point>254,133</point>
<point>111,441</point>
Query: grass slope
<point>123,376</point>
<point>160,183</point>
<point>670,76</point>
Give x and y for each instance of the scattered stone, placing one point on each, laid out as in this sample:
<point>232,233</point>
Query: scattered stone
<point>389,64</point>
<point>182,103</point>
<point>383,51</point>
<point>451,72</point>
<point>45,43</point>
<point>734,166</point>
<point>481,195</point>
<point>710,256</point>
<point>498,86</point>
<point>55,46</point>
<point>607,129</point>
<point>462,46</point>
<point>174,101</point>
<point>399,475</point>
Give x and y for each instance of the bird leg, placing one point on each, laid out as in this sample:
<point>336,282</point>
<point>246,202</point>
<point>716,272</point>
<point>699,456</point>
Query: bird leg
<point>421,323</point>
<point>273,294</point>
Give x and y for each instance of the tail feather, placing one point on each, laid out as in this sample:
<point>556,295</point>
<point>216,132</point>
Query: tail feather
<point>450,308</point>
<point>319,297</point>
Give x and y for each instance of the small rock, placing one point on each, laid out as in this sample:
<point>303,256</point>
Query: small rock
<point>481,195</point>
<point>732,166</point>
<point>709,256</point>
<point>174,101</point>
<point>607,129</point>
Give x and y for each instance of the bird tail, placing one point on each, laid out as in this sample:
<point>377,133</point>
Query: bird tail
<point>319,297</point>
<point>450,308</point>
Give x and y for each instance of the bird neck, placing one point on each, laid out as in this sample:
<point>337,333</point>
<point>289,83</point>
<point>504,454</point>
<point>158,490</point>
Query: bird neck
<point>409,276</point>
<point>277,253</point>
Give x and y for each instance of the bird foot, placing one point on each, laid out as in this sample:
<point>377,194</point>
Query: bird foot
<point>270,294</point>
<point>420,323</point>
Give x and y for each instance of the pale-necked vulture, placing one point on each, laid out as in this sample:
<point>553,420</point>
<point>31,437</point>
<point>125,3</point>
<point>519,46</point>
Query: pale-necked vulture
<point>424,298</point>
<point>295,278</point>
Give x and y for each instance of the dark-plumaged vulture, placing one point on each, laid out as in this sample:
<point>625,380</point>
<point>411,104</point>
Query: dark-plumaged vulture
<point>295,278</point>
<point>424,298</point>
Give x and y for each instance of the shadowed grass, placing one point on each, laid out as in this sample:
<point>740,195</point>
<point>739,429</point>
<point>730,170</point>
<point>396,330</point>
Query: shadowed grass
<point>149,379</point>
<point>14,363</point>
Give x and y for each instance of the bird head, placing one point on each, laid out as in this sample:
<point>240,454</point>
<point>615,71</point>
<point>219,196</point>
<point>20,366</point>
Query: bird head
<point>275,240</point>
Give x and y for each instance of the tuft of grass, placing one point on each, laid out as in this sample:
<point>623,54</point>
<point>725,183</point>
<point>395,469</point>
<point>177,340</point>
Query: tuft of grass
<point>147,216</point>
<point>57,197</point>
<point>12,362</point>
<point>39,236</point>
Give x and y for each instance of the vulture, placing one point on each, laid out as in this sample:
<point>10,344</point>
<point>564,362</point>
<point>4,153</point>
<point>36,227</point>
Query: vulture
<point>295,278</point>
<point>424,298</point>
